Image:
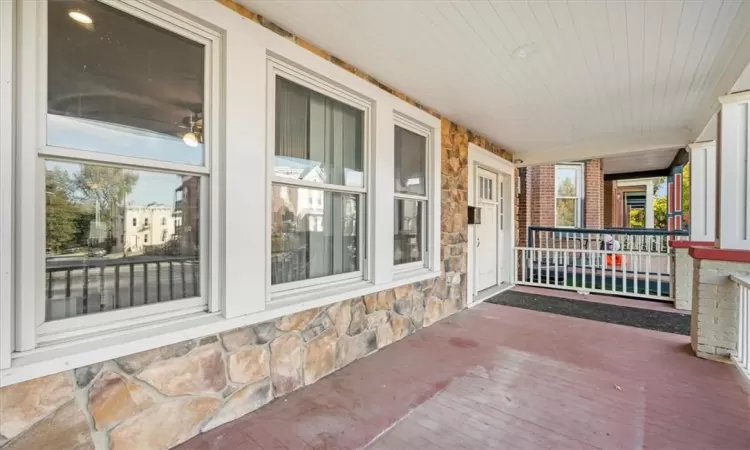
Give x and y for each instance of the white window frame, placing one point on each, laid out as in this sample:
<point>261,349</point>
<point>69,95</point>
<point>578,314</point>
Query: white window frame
<point>31,329</point>
<point>580,192</point>
<point>278,67</point>
<point>238,241</point>
<point>400,120</point>
<point>7,161</point>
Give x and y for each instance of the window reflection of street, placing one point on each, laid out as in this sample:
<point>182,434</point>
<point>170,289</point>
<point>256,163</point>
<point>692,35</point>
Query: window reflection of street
<point>118,238</point>
<point>314,233</point>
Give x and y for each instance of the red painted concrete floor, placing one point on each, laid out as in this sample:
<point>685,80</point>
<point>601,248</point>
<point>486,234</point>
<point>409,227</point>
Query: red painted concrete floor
<point>501,377</point>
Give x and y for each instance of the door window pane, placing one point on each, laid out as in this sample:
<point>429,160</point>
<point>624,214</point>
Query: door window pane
<point>119,85</point>
<point>314,233</point>
<point>567,212</point>
<point>318,139</point>
<point>407,226</point>
<point>410,162</point>
<point>90,270</point>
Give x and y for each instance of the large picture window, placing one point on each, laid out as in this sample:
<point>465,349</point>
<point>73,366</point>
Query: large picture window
<point>410,203</point>
<point>569,195</point>
<point>318,188</point>
<point>126,127</point>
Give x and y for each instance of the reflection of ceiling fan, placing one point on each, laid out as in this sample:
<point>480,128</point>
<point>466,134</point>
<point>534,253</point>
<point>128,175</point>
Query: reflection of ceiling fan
<point>194,123</point>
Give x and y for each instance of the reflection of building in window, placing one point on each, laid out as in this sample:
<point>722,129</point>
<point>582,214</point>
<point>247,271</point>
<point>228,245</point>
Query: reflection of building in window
<point>187,213</point>
<point>133,239</point>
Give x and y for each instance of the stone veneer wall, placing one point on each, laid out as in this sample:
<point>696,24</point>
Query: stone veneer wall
<point>162,397</point>
<point>713,331</point>
<point>682,278</point>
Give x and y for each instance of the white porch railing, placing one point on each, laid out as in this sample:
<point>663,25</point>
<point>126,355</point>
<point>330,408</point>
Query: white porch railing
<point>576,259</point>
<point>634,274</point>
<point>742,358</point>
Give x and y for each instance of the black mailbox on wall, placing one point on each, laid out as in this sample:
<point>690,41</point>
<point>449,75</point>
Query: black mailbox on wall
<point>475,215</point>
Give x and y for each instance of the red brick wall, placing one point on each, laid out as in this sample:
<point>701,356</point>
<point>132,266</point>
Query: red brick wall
<point>536,199</point>
<point>523,213</point>
<point>594,194</point>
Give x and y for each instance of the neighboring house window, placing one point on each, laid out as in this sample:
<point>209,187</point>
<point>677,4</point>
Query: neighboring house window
<point>410,202</point>
<point>319,151</point>
<point>145,222</point>
<point>164,235</point>
<point>569,188</point>
<point>163,221</point>
<point>118,93</point>
<point>145,238</point>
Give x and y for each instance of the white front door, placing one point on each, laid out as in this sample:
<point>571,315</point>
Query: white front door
<point>486,234</point>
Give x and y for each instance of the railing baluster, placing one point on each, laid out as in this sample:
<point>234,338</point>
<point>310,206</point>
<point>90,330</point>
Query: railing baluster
<point>182,273</point>
<point>132,283</point>
<point>171,281</point>
<point>158,282</point>
<point>101,287</point>
<point>85,289</point>
<point>145,283</point>
<point>117,287</point>
<point>194,270</point>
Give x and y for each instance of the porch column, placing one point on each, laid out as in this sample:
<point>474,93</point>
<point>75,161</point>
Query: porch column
<point>733,173</point>
<point>649,209</point>
<point>703,191</point>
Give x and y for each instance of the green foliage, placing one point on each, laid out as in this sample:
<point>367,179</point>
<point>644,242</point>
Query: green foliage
<point>105,186</point>
<point>566,207</point>
<point>72,201</point>
<point>660,212</point>
<point>61,212</point>
<point>637,219</point>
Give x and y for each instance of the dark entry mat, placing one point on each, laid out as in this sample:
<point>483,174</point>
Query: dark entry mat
<point>668,322</point>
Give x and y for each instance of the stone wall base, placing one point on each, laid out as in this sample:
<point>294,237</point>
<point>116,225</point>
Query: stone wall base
<point>162,397</point>
<point>713,331</point>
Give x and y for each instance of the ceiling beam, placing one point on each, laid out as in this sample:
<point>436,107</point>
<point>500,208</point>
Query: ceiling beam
<point>681,158</point>
<point>635,175</point>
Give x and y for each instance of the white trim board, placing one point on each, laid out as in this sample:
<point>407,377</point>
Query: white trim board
<point>478,156</point>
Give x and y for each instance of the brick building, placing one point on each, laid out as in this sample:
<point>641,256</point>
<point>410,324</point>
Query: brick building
<point>549,193</point>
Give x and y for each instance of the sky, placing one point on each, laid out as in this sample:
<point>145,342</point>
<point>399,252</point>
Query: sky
<point>152,187</point>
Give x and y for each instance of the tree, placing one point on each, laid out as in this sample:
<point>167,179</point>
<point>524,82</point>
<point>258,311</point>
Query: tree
<point>637,218</point>
<point>105,188</point>
<point>686,193</point>
<point>61,212</point>
<point>660,212</point>
<point>566,203</point>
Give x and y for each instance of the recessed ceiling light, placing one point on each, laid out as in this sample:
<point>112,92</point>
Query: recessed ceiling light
<point>524,51</point>
<point>80,17</point>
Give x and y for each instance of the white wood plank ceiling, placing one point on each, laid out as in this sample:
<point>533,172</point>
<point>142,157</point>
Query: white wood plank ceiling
<point>601,77</point>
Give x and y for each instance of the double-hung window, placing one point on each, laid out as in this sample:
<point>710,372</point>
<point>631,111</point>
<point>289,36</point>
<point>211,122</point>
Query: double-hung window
<point>318,180</point>
<point>569,195</point>
<point>410,193</point>
<point>118,114</point>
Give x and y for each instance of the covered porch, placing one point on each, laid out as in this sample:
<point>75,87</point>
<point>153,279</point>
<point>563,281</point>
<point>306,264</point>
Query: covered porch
<point>246,223</point>
<point>503,377</point>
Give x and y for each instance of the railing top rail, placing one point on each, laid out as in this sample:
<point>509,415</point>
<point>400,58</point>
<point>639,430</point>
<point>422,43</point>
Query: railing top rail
<point>95,263</point>
<point>592,251</point>
<point>631,231</point>
<point>742,280</point>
